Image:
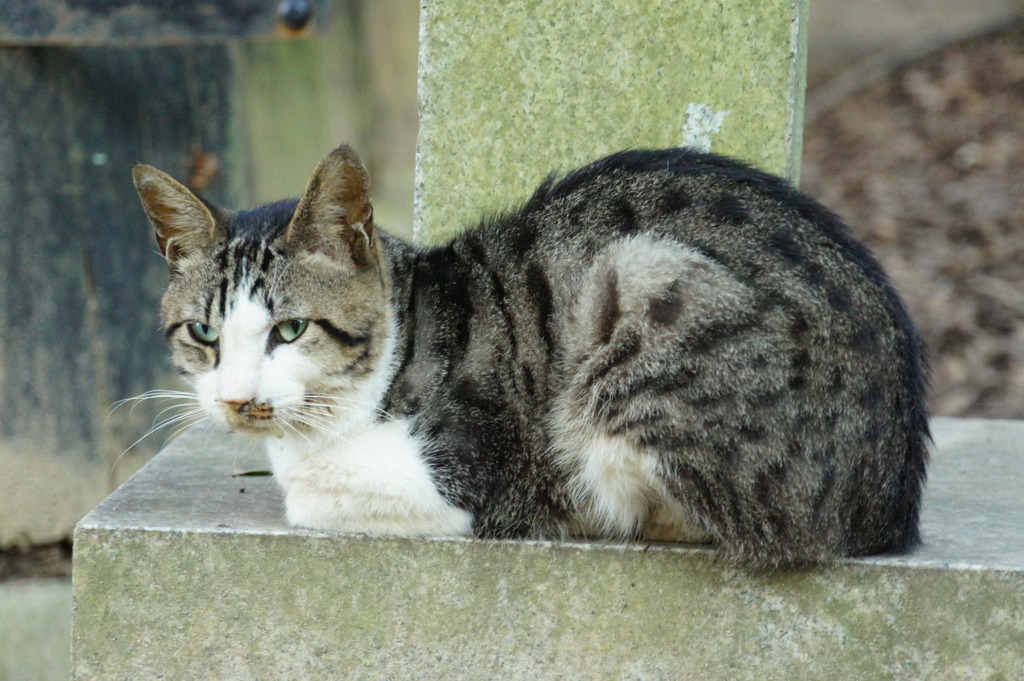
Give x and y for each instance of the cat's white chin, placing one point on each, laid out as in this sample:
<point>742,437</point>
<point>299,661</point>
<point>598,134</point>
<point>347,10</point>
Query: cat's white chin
<point>257,428</point>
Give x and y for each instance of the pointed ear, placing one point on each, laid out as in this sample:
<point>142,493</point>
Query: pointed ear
<point>334,215</point>
<point>182,222</point>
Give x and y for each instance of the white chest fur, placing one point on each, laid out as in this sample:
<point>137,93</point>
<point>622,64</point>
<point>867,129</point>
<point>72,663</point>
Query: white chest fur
<point>373,480</point>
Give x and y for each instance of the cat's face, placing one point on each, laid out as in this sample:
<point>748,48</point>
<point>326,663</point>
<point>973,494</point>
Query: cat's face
<point>278,317</point>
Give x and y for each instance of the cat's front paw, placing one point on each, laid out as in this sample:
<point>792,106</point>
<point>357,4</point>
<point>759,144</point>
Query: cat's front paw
<point>373,483</point>
<point>315,508</point>
<point>307,506</point>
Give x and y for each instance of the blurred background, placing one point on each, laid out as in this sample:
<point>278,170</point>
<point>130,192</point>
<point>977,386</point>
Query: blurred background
<point>913,134</point>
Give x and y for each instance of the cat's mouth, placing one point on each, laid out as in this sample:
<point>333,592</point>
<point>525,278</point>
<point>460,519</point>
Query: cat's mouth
<point>252,417</point>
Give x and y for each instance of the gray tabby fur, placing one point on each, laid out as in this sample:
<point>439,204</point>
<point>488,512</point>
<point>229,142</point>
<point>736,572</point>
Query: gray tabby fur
<point>663,344</point>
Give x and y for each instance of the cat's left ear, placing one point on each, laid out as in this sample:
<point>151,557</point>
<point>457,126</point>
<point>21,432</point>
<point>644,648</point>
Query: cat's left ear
<point>183,224</point>
<point>334,215</point>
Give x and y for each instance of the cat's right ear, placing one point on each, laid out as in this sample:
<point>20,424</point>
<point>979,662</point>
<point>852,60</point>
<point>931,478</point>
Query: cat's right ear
<point>183,224</point>
<point>334,216</point>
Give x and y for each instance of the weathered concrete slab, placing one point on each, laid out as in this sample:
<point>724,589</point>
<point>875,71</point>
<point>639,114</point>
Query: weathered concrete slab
<point>182,574</point>
<point>512,90</point>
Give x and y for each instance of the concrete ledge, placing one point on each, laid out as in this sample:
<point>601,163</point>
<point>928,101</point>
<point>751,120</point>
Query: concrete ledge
<point>181,574</point>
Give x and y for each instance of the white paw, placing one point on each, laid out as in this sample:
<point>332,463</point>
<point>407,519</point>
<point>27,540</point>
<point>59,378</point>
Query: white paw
<point>374,482</point>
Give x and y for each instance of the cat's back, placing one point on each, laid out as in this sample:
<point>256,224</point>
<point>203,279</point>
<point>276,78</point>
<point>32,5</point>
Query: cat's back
<point>686,308</point>
<point>751,221</point>
<point>787,251</point>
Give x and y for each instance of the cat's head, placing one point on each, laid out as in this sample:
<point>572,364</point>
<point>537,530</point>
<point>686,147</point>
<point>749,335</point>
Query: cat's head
<point>278,316</point>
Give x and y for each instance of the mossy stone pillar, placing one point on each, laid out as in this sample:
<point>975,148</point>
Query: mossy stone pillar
<point>512,90</point>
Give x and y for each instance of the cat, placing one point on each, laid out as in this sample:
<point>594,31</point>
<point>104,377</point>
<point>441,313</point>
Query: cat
<point>663,344</point>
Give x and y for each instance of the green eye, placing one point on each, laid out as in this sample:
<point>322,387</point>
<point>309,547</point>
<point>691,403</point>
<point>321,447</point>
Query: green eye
<point>203,333</point>
<point>291,329</point>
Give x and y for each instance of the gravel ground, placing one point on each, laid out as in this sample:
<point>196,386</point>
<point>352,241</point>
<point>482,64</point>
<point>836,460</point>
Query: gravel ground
<point>927,166</point>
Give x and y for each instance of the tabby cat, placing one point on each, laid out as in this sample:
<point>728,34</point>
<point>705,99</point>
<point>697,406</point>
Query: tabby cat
<point>663,344</point>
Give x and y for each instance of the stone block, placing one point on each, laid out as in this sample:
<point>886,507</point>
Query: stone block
<point>189,571</point>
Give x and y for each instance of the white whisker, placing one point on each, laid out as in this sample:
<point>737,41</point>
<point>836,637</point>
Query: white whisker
<point>182,428</point>
<point>341,400</point>
<point>291,426</point>
<point>186,412</point>
<point>186,397</point>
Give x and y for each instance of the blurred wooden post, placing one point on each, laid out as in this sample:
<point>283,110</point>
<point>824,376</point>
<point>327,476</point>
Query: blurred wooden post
<point>81,281</point>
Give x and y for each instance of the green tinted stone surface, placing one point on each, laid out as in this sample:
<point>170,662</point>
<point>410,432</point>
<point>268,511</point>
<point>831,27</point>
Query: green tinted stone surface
<point>180,574</point>
<point>510,91</point>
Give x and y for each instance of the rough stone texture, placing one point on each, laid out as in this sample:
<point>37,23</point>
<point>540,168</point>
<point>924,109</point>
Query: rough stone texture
<point>35,628</point>
<point>512,90</point>
<point>181,574</point>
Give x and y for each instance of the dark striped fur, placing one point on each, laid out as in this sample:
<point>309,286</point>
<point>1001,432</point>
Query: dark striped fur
<point>793,428</point>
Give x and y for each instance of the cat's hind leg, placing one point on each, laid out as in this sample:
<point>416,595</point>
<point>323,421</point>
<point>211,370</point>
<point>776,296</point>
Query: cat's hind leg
<point>644,306</point>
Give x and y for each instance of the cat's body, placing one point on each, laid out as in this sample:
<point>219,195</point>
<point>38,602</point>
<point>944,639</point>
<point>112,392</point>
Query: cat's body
<point>663,344</point>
